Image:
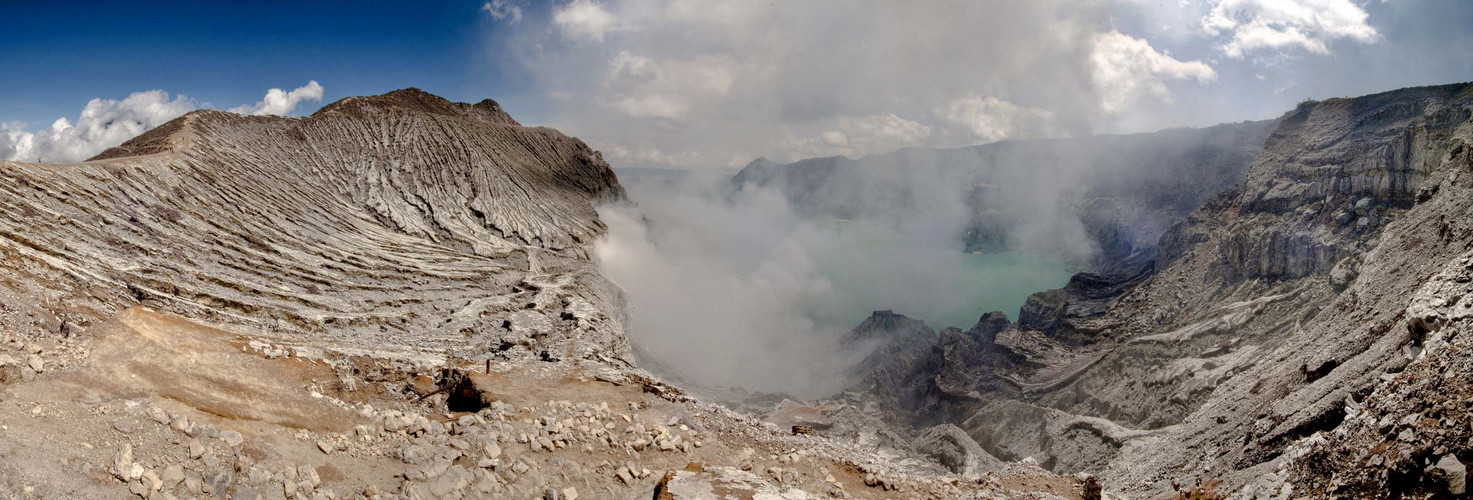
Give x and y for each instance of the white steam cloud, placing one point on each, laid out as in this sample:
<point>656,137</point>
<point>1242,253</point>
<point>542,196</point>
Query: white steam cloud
<point>740,288</point>
<point>280,102</point>
<point>721,292</point>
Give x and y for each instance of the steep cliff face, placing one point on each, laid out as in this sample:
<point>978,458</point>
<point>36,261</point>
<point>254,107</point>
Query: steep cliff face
<point>1272,314</point>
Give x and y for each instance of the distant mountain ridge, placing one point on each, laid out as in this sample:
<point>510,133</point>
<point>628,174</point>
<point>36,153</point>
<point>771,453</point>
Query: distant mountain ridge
<point>1118,192</point>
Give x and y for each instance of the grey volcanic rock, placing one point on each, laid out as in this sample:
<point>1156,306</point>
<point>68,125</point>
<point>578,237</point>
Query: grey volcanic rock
<point>353,224</point>
<point>1072,314</point>
<point>1043,310</point>
<point>1409,434</point>
<point>896,344</point>
<point>988,326</point>
<point>1285,330</point>
<point>391,298</point>
<point>957,451</point>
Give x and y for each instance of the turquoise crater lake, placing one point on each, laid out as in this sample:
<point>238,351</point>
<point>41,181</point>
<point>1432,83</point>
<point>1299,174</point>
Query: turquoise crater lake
<point>872,270</point>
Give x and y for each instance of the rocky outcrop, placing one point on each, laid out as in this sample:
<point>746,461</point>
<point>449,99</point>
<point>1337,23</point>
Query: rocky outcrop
<point>1072,314</point>
<point>896,344</point>
<point>1294,308</point>
<point>1043,310</point>
<point>957,451</point>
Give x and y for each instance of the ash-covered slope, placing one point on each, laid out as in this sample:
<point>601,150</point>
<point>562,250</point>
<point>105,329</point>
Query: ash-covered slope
<point>1295,308</point>
<point>355,225</point>
<point>391,298</point>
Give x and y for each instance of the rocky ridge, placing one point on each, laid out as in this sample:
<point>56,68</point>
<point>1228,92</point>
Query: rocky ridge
<point>1285,343</point>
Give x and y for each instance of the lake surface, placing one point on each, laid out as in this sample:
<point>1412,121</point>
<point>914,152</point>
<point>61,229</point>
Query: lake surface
<point>872,269</point>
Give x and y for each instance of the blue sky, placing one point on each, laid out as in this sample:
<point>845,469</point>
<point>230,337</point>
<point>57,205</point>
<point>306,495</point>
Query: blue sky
<point>713,84</point>
<point>58,55</point>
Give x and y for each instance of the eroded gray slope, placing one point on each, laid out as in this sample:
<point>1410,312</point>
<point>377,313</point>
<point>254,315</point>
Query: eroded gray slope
<point>1273,309</point>
<point>391,298</point>
<point>365,224</point>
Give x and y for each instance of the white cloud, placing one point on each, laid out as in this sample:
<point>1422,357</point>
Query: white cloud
<point>644,88</point>
<point>1250,25</point>
<point>503,9</point>
<point>1124,68</point>
<point>583,19</point>
<point>12,135</point>
<point>104,123</point>
<point>857,136</point>
<point>990,119</point>
<point>751,79</point>
<point>280,102</point>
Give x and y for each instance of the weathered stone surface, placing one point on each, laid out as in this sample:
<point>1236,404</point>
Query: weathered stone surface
<point>353,225</point>
<point>957,451</point>
<point>1270,315</point>
<point>720,483</point>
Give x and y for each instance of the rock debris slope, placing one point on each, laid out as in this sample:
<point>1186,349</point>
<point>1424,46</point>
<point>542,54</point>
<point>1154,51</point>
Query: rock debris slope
<point>1300,335</point>
<point>391,298</point>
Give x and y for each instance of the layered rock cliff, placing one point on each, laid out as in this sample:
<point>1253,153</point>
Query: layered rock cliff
<point>352,225</point>
<point>1278,345</point>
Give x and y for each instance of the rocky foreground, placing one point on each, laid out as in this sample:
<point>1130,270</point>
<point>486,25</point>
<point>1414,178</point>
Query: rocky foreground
<point>391,298</point>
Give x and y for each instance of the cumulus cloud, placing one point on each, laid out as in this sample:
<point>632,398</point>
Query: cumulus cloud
<point>503,10</point>
<point>280,102</point>
<point>860,135</point>
<point>11,136</point>
<point>990,119</point>
<point>104,123</point>
<point>583,19</point>
<point>644,88</point>
<point>1125,68</point>
<point>1310,25</point>
<point>721,83</point>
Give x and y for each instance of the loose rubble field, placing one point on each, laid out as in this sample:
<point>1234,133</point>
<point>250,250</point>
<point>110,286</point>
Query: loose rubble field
<point>164,407</point>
